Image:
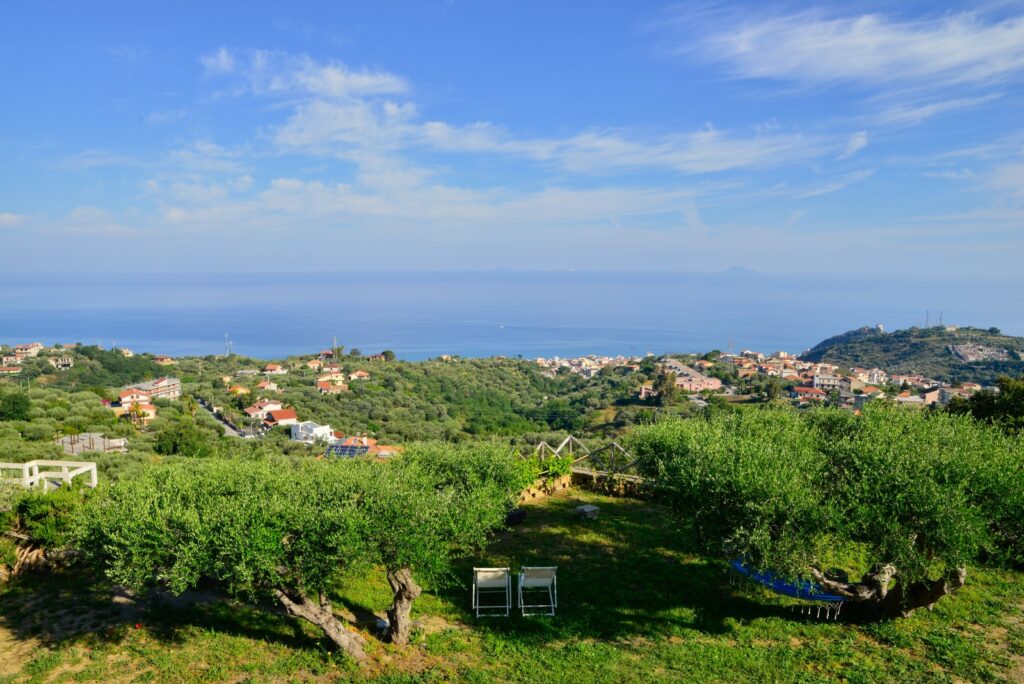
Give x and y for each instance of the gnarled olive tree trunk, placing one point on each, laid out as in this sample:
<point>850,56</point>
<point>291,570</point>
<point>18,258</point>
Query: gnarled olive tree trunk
<point>320,614</point>
<point>405,592</point>
<point>877,596</point>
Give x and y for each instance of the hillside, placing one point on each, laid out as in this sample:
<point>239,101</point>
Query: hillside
<point>950,355</point>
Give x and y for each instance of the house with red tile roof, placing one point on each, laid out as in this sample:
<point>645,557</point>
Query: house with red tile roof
<point>804,393</point>
<point>331,387</point>
<point>260,409</point>
<point>267,386</point>
<point>10,370</point>
<point>274,369</point>
<point>281,417</point>
<point>359,375</point>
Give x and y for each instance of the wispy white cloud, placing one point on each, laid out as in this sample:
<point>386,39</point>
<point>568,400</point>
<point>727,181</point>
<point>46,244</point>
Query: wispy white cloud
<point>93,221</point>
<point>219,62</point>
<point>813,47</point>
<point>274,72</point>
<point>834,186</point>
<point>11,220</point>
<point>1006,178</point>
<point>163,117</point>
<point>857,142</point>
<point>348,129</point>
<point>952,174</point>
<point>907,114</point>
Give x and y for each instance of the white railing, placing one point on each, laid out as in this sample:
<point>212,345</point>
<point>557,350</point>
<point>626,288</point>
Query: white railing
<point>48,475</point>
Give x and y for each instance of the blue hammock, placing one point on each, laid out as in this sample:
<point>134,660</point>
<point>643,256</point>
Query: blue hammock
<point>802,589</point>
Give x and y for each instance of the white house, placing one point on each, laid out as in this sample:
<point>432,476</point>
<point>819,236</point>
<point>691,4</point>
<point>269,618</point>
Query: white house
<point>310,432</point>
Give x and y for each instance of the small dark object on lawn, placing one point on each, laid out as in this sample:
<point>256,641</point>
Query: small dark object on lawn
<point>588,511</point>
<point>515,516</point>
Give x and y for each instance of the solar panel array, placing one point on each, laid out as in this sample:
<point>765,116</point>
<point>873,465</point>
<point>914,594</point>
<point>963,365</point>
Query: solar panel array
<point>346,451</point>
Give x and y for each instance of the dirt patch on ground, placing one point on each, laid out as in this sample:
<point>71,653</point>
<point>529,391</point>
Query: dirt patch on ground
<point>15,652</point>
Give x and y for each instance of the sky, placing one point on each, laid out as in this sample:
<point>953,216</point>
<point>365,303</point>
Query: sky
<point>856,138</point>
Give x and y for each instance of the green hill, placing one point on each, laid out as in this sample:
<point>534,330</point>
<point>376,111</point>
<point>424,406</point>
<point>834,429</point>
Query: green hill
<point>950,355</point>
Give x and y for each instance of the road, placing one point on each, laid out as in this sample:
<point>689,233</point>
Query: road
<point>228,430</point>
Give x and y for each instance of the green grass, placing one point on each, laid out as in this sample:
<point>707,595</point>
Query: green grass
<point>637,603</point>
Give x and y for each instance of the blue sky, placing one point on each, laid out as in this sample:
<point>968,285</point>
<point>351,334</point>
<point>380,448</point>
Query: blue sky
<point>858,138</point>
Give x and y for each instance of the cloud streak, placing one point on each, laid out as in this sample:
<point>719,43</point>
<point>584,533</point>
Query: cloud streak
<point>814,48</point>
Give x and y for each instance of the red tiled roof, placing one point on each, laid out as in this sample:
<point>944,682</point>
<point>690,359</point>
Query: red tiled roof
<point>283,414</point>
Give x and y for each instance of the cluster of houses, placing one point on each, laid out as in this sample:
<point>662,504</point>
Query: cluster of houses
<point>272,413</point>
<point>851,387</point>
<point>587,366</point>
<point>11,361</point>
<point>687,378</point>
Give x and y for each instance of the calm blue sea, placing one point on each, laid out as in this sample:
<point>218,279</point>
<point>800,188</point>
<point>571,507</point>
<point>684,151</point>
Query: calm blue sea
<point>421,315</point>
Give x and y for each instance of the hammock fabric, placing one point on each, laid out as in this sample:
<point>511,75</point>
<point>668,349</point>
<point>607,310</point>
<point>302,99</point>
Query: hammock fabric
<point>805,590</point>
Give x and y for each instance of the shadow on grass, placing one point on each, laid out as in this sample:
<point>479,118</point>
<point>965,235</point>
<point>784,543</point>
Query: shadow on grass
<point>57,607</point>
<point>633,572</point>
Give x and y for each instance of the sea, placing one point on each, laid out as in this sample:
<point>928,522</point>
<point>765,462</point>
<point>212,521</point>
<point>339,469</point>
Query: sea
<point>480,314</point>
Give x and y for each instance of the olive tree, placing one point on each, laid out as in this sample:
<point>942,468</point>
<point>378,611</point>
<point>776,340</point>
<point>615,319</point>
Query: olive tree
<point>920,495</point>
<point>288,531</point>
<point>437,503</point>
<point>262,529</point>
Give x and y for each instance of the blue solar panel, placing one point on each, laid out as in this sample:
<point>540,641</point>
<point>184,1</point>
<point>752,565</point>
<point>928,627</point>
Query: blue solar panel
<point>345,451</point>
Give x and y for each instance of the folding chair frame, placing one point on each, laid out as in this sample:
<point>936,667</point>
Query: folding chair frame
<point>552,590</point>
<point>478,591</point>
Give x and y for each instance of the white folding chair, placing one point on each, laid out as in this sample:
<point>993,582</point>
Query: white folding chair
<point>496,584</point>
<point>538,584</point>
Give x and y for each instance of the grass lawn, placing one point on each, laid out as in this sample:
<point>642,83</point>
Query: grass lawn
<point>636,603</point>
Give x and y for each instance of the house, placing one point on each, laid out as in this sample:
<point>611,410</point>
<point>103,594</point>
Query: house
<point>970,386</point>
<point>309,432</point>
<point>331,387</point>
<point>647,391</point>
<point>851,384</point>
<point>274,369</point>
<point>163,360</point>
<point>126,353</point>
<point>161,388</point>
<point>930,396</point>
<point>804,393</point>
<point>144,413</point>
<point>10,370</point>
<point>947,393</point>
<point>267,386</point>
<point>326,354</point>
<point>61,363</point>
<point>359,375</point>
<point>281,417</point>
<point>260,409</point>
<point>132,396</point>
<point>826,382</point>
<point>9,360</point>
<point>315,364</point>
<point>909,400</point>
<point>696,382</point>
<point>332,368</point>
<point>377,357</point>
<point>29,350</point>
<point>238,390</point>
<point>336,378</point>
